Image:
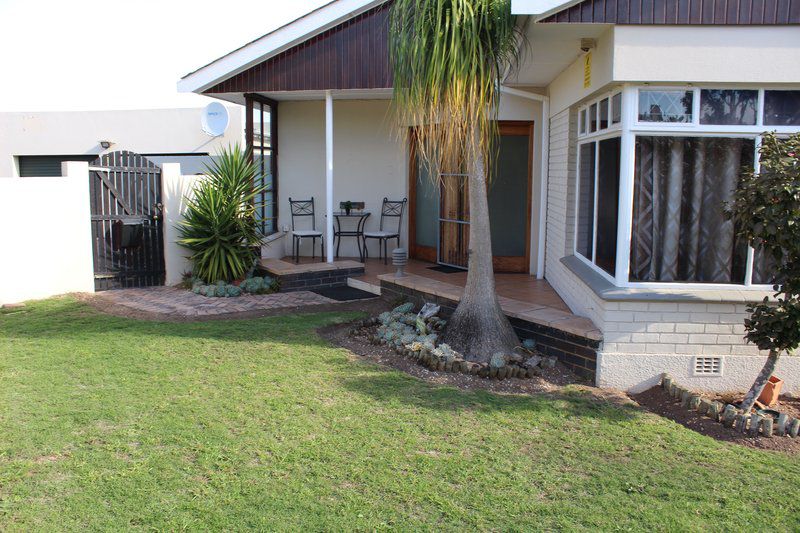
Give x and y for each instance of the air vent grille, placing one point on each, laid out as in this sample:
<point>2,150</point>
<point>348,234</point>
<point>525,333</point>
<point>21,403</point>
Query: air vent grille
<point>708,366</point>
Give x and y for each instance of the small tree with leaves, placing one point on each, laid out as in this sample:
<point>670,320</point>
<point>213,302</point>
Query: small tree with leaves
<point>766,210</point>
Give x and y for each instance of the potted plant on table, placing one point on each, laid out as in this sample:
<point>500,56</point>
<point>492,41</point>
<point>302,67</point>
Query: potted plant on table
<point>348,206</point>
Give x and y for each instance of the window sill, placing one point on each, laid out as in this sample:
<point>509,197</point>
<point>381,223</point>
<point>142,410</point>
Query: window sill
<point>609,292</point>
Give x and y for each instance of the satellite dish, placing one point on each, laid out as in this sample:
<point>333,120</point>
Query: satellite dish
<point>215,119</point>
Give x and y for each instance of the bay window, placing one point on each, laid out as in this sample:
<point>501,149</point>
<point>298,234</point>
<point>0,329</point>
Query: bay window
<point>656,168</point>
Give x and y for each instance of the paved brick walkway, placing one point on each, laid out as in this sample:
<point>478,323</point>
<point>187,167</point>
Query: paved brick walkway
<point>180,302</point>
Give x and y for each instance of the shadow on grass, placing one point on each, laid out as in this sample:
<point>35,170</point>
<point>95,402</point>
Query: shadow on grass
<point>391,386</point>
<point>70,319</point>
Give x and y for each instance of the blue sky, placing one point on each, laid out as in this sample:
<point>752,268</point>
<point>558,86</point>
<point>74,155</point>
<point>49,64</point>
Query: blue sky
<point>93,54</point>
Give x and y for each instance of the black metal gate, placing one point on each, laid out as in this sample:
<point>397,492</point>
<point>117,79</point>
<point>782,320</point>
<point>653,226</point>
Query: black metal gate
<point>125,190</point>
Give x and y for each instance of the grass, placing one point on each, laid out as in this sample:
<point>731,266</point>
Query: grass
<point>108,423</point>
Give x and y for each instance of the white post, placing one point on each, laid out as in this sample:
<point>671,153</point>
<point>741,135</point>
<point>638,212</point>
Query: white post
<point>329,175</point>
<point>626,171</point>
<point>175,189</point>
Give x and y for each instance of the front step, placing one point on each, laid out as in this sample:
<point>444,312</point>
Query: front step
<point>364,286</point>
<point>309,276</point>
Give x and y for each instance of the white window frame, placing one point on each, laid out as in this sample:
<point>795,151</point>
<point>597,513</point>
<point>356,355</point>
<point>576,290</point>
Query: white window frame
<point>628,129</point>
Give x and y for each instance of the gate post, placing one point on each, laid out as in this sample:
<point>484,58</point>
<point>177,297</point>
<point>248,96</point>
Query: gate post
<point>82,275</point>
<point>175,189</point>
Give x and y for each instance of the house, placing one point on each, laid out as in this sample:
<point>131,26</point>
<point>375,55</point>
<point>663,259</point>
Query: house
<point>36,143</point>
<point>622,133</point>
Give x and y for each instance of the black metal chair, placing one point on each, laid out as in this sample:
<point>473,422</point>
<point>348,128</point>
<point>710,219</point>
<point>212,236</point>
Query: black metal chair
<point>389,209</point>
<point>299,209</point>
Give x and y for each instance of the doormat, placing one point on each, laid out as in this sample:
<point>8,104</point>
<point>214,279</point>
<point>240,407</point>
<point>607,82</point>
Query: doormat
<point>445,269</point>
<point>344,293</point>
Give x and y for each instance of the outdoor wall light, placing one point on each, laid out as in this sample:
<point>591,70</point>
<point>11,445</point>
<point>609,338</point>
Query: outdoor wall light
<point>106,144</point>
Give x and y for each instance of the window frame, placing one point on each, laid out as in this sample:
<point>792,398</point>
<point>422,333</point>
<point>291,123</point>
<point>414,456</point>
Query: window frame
<point>614,130</point>
<point>263,105</point>
<point>628,129</point>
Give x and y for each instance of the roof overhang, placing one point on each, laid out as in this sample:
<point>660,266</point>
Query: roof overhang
<point>274,43</point>
<point>539,8</point>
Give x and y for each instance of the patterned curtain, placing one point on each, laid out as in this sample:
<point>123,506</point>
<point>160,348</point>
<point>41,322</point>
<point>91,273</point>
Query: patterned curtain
<point>680,232</point>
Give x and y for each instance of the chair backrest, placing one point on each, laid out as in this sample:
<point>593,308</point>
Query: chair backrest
<point>303,208</point>
<point>393,209</point>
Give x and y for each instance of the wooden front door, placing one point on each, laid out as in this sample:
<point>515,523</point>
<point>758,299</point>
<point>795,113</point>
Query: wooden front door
<point>439,208</point>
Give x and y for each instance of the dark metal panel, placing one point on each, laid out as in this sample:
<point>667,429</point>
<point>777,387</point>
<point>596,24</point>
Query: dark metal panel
<point>688,12</point>
<point>352,55</point>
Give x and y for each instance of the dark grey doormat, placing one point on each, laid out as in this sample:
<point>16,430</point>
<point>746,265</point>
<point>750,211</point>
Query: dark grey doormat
<point>444,269</point>
<point>344,293</point>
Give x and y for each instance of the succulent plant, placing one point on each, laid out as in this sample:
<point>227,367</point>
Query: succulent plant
<point>404,308</point>
<point>498,360</point>
<point>233,290</point>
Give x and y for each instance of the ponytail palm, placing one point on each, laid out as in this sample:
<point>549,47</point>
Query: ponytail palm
<point>448,58</point>
<point>220,227</point>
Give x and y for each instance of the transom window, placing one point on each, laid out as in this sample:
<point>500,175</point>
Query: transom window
<point>660,164</point>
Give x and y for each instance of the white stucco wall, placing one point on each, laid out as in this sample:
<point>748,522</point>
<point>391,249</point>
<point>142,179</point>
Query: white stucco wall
<point>45,235</point>
<point>175,190</point>
<point>369,163</point>
<point>730,54</point>
<point>567,88</point>
<point>148,131</point>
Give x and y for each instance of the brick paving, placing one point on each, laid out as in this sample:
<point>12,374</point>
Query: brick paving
<point>183,303</point>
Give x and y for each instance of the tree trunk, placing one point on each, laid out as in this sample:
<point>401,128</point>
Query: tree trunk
<point>478,328</point>
<point>761,381</point>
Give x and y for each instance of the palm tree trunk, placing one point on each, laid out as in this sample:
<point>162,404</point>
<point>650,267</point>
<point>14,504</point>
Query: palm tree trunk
<point>478,328</point>
<point>761,381</point>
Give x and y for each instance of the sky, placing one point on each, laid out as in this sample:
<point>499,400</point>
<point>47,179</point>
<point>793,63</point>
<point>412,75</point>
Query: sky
<point>76,55</point>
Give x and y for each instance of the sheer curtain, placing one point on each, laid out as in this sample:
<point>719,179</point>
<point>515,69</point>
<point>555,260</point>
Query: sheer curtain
<point>680,232</point>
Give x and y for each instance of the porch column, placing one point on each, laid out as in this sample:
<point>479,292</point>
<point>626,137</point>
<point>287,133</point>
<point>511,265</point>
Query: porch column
<point>329,176</point>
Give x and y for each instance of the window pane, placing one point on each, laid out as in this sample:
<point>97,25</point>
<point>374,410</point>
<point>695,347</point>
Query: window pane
<point>782,108</point>
<point>604,113</point>
<point>728,107</point>
<point>582,121</point>
<point>585,214</point>
<point>764,268</point>
<point>593,118</point>
<point>665,106</point>
<point>616,108</point>
<point>607,204</point>
<point>680,232</point>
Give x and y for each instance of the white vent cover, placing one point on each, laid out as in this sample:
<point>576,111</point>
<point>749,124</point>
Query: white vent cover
<point>708,366</point>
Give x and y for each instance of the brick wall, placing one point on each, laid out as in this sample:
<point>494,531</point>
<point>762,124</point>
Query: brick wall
<point>317,280</point>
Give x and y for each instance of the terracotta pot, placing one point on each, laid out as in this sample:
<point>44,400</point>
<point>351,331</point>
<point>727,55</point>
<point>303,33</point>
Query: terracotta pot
<point>769,396</point>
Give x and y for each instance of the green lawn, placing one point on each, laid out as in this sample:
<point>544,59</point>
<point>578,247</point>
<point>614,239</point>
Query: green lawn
<point>108,423</point>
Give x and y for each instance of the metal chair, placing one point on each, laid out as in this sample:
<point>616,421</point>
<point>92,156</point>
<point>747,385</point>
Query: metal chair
<point>389,209</point>
<point>299,209</point>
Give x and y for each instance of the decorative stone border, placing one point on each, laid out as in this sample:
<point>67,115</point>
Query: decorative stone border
<point>426,357</point>
<point>730,416</point>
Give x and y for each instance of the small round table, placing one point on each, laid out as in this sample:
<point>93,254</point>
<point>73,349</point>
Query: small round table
<point>361,219</point>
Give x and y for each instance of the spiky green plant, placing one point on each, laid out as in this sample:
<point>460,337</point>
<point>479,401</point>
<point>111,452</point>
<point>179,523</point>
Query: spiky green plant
<point>220,226</point>
<point>449,58</point>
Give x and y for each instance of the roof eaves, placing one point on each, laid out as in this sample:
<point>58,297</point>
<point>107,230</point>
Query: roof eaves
<point>274,42</point>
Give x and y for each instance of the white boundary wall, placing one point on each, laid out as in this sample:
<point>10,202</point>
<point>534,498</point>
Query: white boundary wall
<point>45,235</point>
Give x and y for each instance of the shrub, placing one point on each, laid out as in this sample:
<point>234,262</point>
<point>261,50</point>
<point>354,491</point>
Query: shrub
<point>220,226</point>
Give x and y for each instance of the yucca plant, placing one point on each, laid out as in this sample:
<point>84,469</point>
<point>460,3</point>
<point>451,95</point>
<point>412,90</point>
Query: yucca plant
<point>449,57</point>
<point>220,226</point>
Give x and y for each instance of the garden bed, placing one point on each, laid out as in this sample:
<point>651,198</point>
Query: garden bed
<point>362,345</point>
<point>658,401</point>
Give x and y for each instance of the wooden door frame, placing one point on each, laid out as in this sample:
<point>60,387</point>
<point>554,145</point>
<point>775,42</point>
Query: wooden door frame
<point>501,263</point>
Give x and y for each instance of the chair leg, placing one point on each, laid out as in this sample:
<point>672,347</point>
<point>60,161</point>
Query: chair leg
<point>338,244</point>
<point>322,248</point>
<point>385,255</point>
